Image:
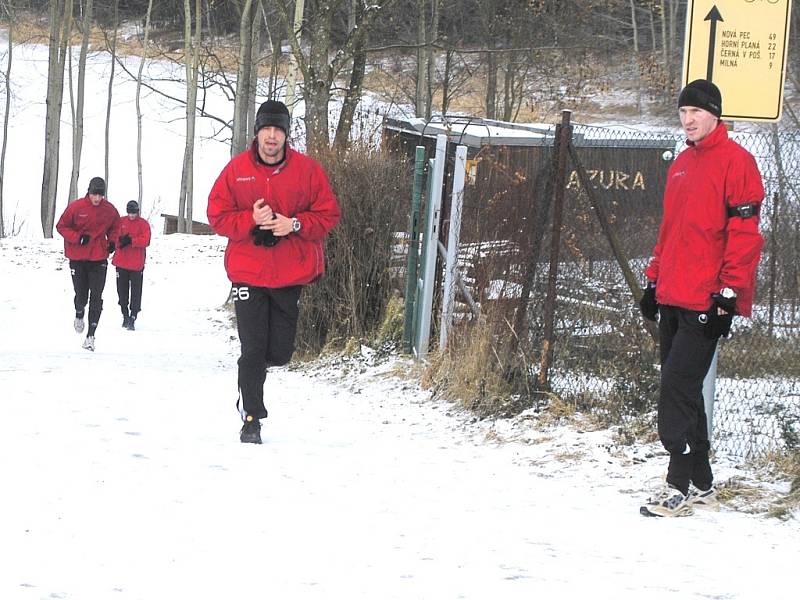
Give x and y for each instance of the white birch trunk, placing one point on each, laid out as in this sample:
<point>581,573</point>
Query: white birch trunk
<point>138,102</point>
<point>77,115</point>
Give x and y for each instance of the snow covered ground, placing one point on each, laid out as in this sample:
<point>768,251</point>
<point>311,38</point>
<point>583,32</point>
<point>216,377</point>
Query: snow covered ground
<point>123,476</point>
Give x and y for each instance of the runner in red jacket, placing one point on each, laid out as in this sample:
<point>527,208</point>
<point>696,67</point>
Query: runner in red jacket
<point>132,235</point>
<point>275,206</point>
<point>86,227</point>
<point>702,273</point>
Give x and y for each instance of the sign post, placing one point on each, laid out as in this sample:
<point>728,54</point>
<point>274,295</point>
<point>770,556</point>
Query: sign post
<point>741,46</point>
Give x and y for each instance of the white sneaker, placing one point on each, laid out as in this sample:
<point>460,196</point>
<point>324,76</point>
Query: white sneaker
<point>88,343</point>
<point>668,502</point>
<point>703,499</point>
<point>79,324</point>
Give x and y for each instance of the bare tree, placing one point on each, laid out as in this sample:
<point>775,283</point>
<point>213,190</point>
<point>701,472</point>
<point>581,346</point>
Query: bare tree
<point>192,60</point>
<point>323,64</point>
<point>9,57</point>
<point>107,131</point>
<point>77,106</point>
<point>353,91</point>
<point>420,108</point>
<point>60,27</point>
<point>243,79</point>
<point>145,45</point>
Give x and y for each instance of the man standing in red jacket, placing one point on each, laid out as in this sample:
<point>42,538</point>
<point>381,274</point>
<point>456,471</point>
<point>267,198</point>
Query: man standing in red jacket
<point>86,227</point>
<point>703,272</point>
<point>275,206</point>
<point>132,234</point>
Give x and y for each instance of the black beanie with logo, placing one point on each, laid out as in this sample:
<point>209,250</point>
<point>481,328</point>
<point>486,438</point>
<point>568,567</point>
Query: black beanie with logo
<point>702,94</point>
<point>272,114</point>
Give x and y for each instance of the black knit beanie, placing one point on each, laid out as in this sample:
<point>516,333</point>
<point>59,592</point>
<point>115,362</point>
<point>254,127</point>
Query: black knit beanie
<point>97,186</point>
<point>132,207</point>
<point>272,114</point>
<point>702,94</point>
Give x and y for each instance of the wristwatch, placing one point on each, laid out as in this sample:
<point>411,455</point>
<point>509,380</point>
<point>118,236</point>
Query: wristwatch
<point>296,225</point>
<point>727,293</point>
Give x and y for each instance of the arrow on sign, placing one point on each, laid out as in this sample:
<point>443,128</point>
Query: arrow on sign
<point>713,16</point>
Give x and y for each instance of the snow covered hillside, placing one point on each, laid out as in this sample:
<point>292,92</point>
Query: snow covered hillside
<point>123,476</point>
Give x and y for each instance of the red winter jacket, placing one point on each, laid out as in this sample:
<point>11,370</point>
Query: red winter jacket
<point>97,221</point>
<point>296,188</point>
<point>132,256</point>
<point>701,250</point>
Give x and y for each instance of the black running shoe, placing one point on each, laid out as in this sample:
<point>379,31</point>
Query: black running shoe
<point>131,322</point>
<point>251,431</point>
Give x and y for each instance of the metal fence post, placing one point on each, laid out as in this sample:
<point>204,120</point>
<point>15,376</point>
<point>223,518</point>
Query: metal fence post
<point>709,389</point>
<point>430,248</point>
<point>562,140</point>
<point>454,233</point>
<point>413,250</point>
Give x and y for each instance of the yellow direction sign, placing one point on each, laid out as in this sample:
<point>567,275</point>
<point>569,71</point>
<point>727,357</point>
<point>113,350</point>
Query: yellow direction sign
<point>741,46</point>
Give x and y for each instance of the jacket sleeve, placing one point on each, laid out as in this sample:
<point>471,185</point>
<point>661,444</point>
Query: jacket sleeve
<point>224,216</point>
<point>323,213</point>
<point>66,225</point>
<point>743,241</point>
<point>113,222</point>
<point>142,237</point>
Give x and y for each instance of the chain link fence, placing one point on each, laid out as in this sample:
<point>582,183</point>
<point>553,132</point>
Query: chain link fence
<point>602,357</point>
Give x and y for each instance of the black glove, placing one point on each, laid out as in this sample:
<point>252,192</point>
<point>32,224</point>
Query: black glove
<point>84,239</point>
<point>264,237</point>
<point>726,304</point>
<point>648,304</point>
<point>111,246</point>
<point>719,325</point>
<point>124,240</point>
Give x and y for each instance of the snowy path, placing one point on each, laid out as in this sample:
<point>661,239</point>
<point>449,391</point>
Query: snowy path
<point>122,475</point>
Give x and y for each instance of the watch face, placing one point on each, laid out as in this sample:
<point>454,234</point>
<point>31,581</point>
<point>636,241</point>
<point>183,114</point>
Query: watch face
<point>295,225</point>
<point>728,293</point>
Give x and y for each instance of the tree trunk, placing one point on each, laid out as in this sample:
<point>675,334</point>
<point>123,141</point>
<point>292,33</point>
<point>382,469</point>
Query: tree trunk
<point>430,60</point>
<point>422,55</point>
<point>255,53</point>
<point>634,27</point>
<point>77,116</point>
<point>491,85</point>
<point>239,138</point>
<point>110,93</point>
<point>192,49</point>
<point>664,48</point>
<point>60,25</point>
<point>274,37</point>
<point>353,94</point>
<point>9,57</point>
<point>448,70</point>
<point>317,93</point>
<point>138,100</point>
<point>294,60</point>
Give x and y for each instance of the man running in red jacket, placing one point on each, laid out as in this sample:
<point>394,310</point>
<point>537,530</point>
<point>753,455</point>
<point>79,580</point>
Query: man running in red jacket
<point>132,235</point>
<point>86,227</point>
<point>275,206</point>
<point>702,273</point>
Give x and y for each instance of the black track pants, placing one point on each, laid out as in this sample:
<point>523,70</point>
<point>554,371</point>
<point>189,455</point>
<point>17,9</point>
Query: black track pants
<point>686,354</point>
<point>267,323</point>
<point>89,281</point>
<point>129,286</point>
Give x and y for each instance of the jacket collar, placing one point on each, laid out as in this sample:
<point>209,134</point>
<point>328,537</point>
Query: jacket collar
<point>715,138</point>
<point>256,159</point>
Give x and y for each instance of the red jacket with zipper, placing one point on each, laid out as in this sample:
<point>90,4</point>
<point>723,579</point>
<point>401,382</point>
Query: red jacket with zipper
<point>81,217</point>
<point>133,255</point>
<point>701,250</point>
<point>299,188</point>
